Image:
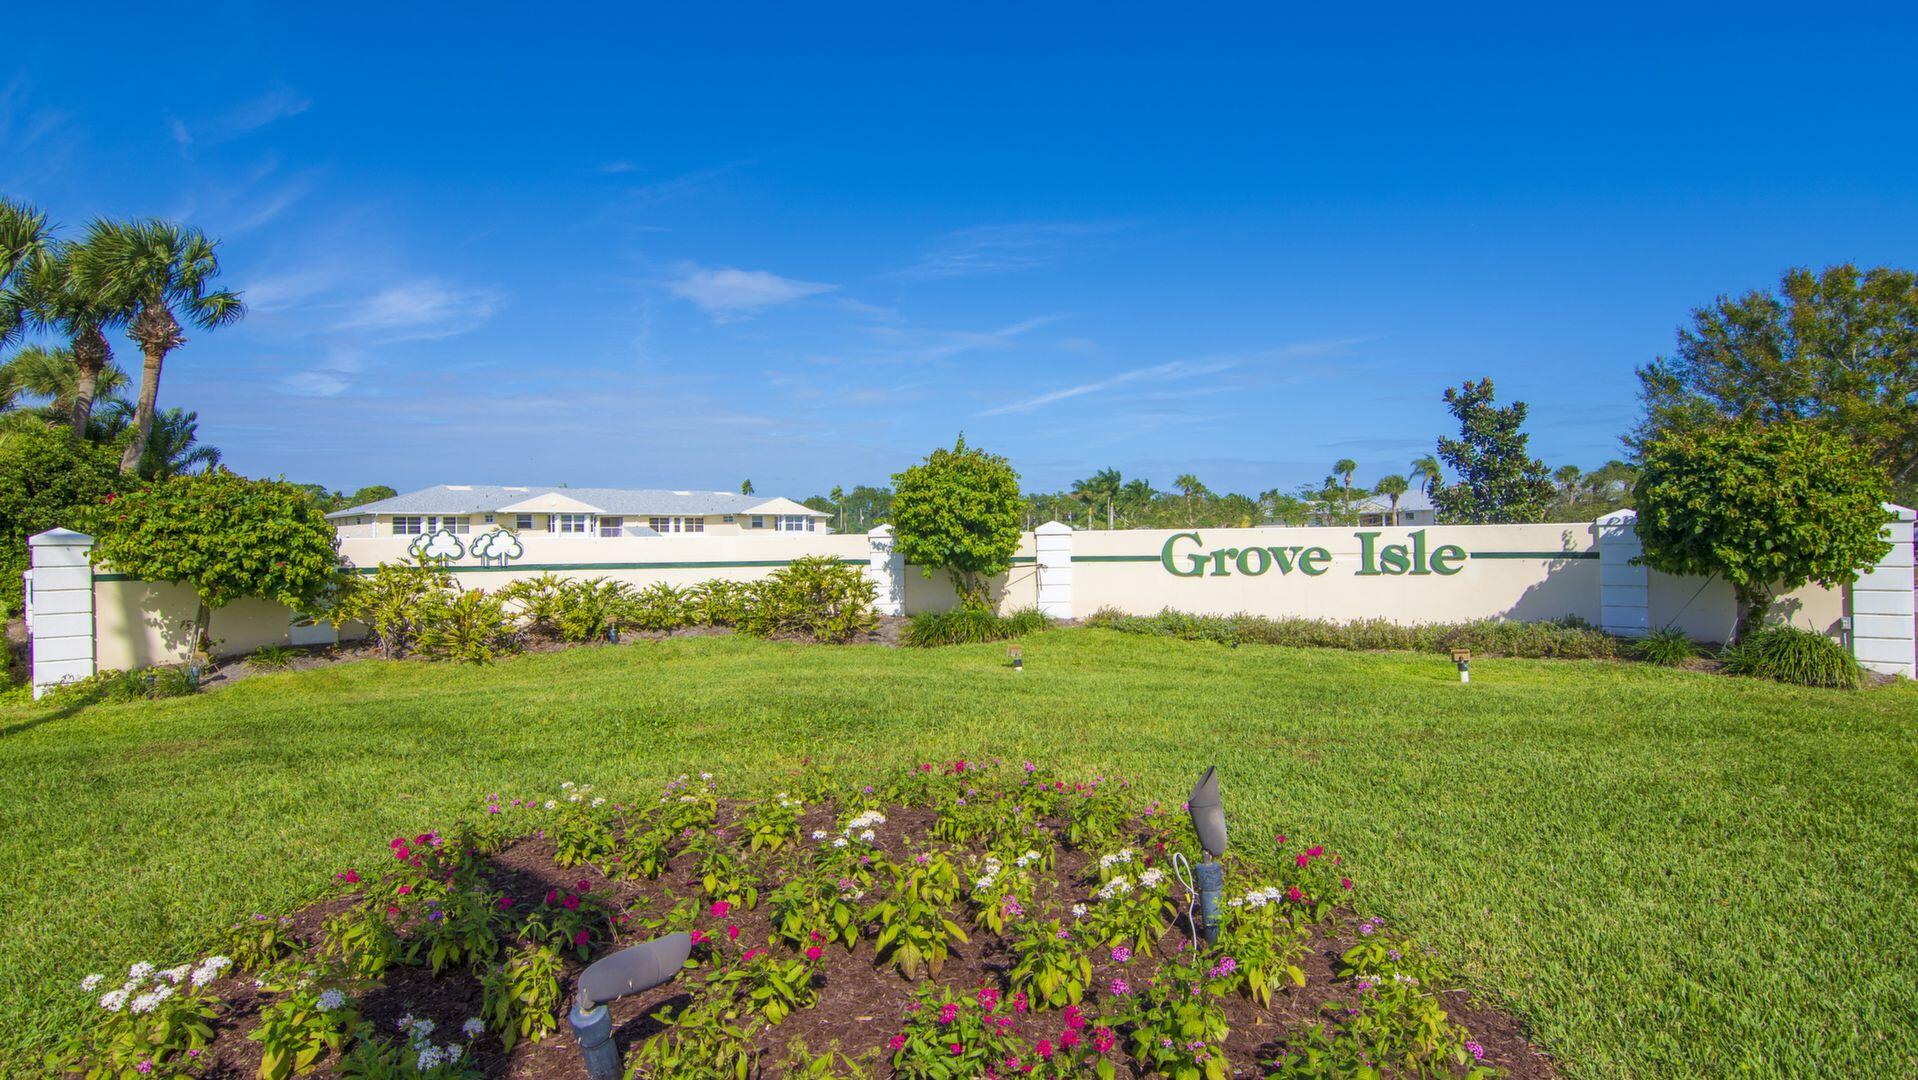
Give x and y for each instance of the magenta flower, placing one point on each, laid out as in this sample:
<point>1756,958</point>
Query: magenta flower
<point>949,1013</point>
<point>1120,988</point>
<point>351,877</point>
<point>1103,1040</point>
<point>1121,954</point>
<point>988,998</point>
<point>579,938</point>
<point>719,909</point>
<point>898,1041</point>
<point>814,952</point>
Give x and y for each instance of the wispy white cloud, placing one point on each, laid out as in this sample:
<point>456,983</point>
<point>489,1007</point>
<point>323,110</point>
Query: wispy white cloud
<point>1157,373</point>
<point>1173,381</point>
<point>920,345</point>
<point>328,378</point>
<point>618,167</point>
<point>242,119</point>
<point>424,309</point>
<point>728,294</point>
<point>1001,249</point>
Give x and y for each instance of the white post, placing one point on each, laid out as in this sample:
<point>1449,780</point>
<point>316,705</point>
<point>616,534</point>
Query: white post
<point>1053,544</point>
<point>886,569</point>
<point>60,608</point>
<point>1881,604</point>
<point>1624,589</point>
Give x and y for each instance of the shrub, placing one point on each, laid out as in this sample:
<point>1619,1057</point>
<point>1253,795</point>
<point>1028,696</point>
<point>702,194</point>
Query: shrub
<point>967,625</point>
<point>959,511</point>
<point>659,606</point>
<point>1668,646</point>
<point>538,602</point>
<point>470,627</point>
<point>46,482</point>
<point>1788,654</point>
<point>392,602</point>
<point>595,609</point>
<point>272,657</point>
<point>178,680</point>
<point>1565,639</point>
<point>715,603</point>
<point>817,597</point>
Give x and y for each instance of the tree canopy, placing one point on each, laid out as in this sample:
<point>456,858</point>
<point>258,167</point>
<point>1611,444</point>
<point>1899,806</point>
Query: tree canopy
<point>46,482</point>
<point>1837,347</point>
<point>1766,507</point>
<point>1494,478</point>
<point>959,511</point>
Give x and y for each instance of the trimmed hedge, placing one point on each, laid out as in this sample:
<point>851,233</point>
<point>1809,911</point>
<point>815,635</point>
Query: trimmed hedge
<point>1564,639</point>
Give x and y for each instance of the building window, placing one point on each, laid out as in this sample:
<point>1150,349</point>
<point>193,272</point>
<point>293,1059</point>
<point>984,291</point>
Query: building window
<point>571,523</point>
<point>794,522</point>
<point>660,524</point>
<point>612,526</point>
<point>728,519</point>
<point>459,525</point>
<point>759,522</point>
<point>489,519</point>
<point>693,524</point>
<point>523,521</point>
<point>406,526</point>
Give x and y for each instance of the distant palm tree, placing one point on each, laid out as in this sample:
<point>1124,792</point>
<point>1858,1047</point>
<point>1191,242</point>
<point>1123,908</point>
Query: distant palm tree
<point>174,447</point>
<point>160,272</point>
<point>59,299</point>
<point>839,505</point>
<point>1192,487</point>
<point>746,488</point>
<point>1425,473</point>
<point>1100,490</point>
<point>23,235</point>
<point>1343,468</point>
<point>1392,487</point>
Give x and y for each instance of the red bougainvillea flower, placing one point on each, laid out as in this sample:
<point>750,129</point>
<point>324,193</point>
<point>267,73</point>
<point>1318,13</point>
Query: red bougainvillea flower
<point>719,909</point>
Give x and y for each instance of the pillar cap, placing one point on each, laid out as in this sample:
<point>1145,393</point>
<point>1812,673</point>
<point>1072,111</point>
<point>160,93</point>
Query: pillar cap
<point>1053,528</point>
<point>880,530</point>
<point>1900,513</point>
<point>60,538</point>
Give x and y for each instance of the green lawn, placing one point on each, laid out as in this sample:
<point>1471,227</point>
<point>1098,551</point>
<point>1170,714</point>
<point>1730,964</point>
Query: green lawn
<point>1663,873</point>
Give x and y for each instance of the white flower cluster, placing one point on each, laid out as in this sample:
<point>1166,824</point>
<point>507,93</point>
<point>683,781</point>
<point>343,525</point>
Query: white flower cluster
<point>575,793</point>
<point>146,989</point>
<point>787,802</point>
<point>1026,860</point>
<point>427,1057</point>
<point>1150,879</point>
<point>860,827</point>
<point>1123,855</point>
<point>1118,886</point>
<point>330,1000</point>
<point>210,969</point>
<point>1078,911</point>
<point>989,874</point>
<point>1258,898</point>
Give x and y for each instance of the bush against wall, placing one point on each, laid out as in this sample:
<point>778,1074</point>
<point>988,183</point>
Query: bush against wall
<point>47,481</point>
<point>969,625</point>
<point>1563,639</point>
<point>1789,654</point>
<point>816,597</point>
<point>222,535</point>
<point>959,511</point>
<point>1766,508</point>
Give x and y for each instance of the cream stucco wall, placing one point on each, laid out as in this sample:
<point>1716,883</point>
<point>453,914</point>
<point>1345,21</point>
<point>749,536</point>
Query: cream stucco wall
<point>139,624</point>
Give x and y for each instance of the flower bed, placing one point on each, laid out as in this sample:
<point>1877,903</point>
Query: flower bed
<point>955,921</point>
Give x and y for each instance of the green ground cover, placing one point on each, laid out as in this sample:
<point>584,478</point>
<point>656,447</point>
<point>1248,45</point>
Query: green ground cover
<point>1664,873</point>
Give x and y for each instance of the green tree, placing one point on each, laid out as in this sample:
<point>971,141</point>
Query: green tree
<point>1425,473</point>
<point>1100,495</point>
<point>52,380</point>
<point>224,536</point>
<point>1192,488</point>
<point>959,511</point>
<point>58,298</point>
<point>746,487</point>
<point>1394,488</point>
<point>23,235</point>
<point>1838,347</point>
<point>46,482</point>
<point>1497,481</point>
<point>1343,469</point>
<point>159,272</point>
<point>1767,508</point>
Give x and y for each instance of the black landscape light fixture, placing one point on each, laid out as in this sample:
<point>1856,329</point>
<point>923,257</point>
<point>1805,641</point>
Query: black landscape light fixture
<point>1018,657</point>
<point>629,971</point>
<point>1208,820</point>
<point>1463,658</point>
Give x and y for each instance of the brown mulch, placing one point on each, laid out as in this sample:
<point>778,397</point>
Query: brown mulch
<point>860,1003</point>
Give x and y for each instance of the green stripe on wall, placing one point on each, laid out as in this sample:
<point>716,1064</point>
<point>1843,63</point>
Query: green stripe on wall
<point>1533,554</point>
<point>1115,558</point>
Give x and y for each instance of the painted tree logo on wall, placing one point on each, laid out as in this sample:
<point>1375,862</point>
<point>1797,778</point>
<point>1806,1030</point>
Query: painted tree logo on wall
<point>497,548</point>
<point>439,545</point>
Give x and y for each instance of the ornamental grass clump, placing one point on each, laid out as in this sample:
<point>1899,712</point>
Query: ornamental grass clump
<point>969,625</point>
<point>1790,655</point>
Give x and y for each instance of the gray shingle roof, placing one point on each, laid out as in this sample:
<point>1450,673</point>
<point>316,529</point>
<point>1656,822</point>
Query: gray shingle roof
<point>486,498</point>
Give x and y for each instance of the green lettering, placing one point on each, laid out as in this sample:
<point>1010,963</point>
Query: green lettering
<point>1282,557</point>
<point>1313,561</point>
<point>1265,562</point>
<point>1418,552</point>
<point>1165,556</point>
<point>1219,559</point>
<point>1368,557</point>
<point>1447,559</point>
<point>1394,559</point>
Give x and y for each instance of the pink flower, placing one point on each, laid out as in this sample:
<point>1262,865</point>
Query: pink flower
<point>699,936</point>
<point>1293,894</point>
<point>957,1049</point>
<point>949,1013</point>
<point>988,998</point>
<point>1281,839</point>
<point>505,902</point>
<point>1068,1040</point>
<point>579,938</point>
<point>1303,859</point>
<point>719,909</point>
<point>351,877</point>
<point>1074,1020</point>
<point>1121,954</point>
<point>1043,1048</point>
<point>1120,988</point>
<point>898,1042</point>
<point>1020,1003</point>
<point>404,889</point>
<point>1103,1040</point>
<point>552,896</point>
<point>1316,850</point>
<point>584,885</point>
<point>1345,883</point>
<point>732,931</point>
<point>814,952</point>
<point>571,903</point>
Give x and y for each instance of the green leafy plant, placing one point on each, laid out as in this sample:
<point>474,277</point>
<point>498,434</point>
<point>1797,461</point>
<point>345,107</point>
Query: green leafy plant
<point>467,627</point>
<point>580,825</point>
<point>1096,818</point>
<point>959,511</point>
<point>767,986</point>
<point>155,1023</point>
<point>572,920</point>
<point>772,824</point>
<point>418,1057</point>
<point>223,535</point>
<point>296,1031</point>
<point>723,876</point>
<point>1177,1028</point>
<point>816,597</point>
<point>48,480</point>
<point>1667,646</point>
<point>914,933</point>
<point>1132,908</point>
<point>391,602</point>
<point>1766,508</point>
<point>1002,890</point>
<point>1495,478</point>
<point>272,657</point>
<point>1266,950</point>
<point>1789,654</point>
<point>830,1064</point>
<point>968,625</point>
<point>946,1037</point>
<point>717,602</point>
<point>457,925</point>
<point>1050,967</point>
<point>699,1042</point>
<point>361,941</point>
<point>659,607</point>
<point>594,610</point>
<point>522,996</point>
<point>259,942</point>
<point>538,602</point>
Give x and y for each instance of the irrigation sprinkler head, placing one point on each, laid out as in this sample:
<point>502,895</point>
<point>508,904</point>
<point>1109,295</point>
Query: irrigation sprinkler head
<point>1208,814</point>
<point>629,971</point>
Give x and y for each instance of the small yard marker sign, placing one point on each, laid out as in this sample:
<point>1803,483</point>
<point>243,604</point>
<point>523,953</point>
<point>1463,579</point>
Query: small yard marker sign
<point>1018,657</point>
<point>1463,658</point>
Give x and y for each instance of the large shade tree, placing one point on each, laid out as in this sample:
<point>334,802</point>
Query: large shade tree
<point>162,273</point>
<point>1495,478</point>
<point>1838,347</point>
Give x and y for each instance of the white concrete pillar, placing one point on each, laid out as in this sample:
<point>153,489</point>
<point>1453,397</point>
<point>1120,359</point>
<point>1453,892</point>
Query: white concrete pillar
<point>1053,544</point>
<point>60,607</point>
<point>886,569</point>
<point>1882,636</point>
<point>1624,588</point>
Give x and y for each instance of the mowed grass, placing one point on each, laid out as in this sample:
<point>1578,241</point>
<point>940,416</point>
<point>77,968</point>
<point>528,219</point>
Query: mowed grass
<point>1663,873</point>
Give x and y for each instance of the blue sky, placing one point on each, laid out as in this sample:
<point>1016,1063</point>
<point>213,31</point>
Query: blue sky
<point>803,244</point>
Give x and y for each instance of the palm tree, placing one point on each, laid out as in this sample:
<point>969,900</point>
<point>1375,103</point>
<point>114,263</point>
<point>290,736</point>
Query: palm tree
<point>174,447</point>
<point>59,299</point>
<point>159,272</point>
<point>1102,487</point>
<point>1343,468</point>
<point>1392,487</point>
<point>839,505</point>
<point>746,488</point>
<point>23,234</point>
<point>1425,473</point>
<point>1192,487</point>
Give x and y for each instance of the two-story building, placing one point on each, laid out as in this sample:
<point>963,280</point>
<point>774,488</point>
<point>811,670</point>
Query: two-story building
<point>463,509</point>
